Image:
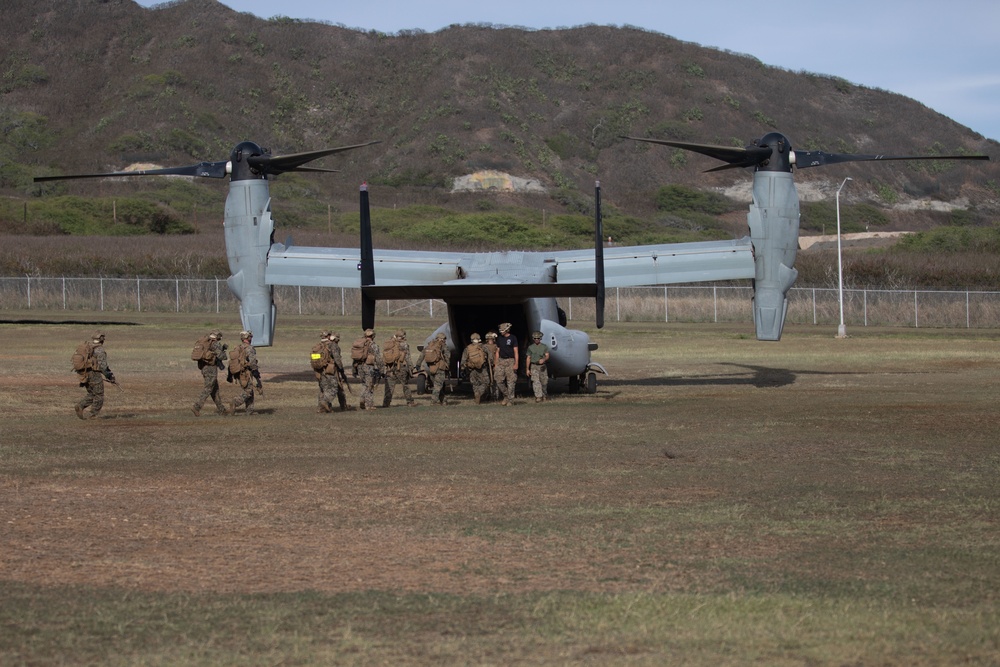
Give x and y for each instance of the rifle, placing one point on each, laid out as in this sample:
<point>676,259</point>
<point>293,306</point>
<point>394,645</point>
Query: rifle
<point>110,377</point>
<point>343,380</point>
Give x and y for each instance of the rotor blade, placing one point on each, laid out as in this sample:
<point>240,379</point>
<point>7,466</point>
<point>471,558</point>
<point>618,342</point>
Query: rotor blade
<point>315,169</point>
<point>736,157</point>
<point>204,169</point>
<point>805,159</point>
<point>292,162</point>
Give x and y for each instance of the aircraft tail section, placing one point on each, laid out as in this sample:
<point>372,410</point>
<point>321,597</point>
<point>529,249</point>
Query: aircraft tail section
<point>774,231</point>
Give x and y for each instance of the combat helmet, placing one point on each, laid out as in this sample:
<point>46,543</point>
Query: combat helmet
<point>475,338</point>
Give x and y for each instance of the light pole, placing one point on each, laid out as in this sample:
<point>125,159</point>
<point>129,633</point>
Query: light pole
<point>841,330</point>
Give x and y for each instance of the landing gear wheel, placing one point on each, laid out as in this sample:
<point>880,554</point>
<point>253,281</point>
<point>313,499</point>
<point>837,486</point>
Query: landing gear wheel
<point>591,383</point>
<point>421,384</point>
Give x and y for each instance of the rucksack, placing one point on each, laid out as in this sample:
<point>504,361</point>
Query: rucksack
<point>82,359</point>
<point>203,351</point>
<point>432,353</point>
<point>392,353</point>
<point>238,360</point>
<point>319,358</point>
<point>359,350</point>
<point>477,357</point>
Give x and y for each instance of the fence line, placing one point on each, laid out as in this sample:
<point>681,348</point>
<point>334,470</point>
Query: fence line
<point>862,307</point>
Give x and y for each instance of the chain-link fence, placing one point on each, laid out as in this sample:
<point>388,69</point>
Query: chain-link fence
<point>862,307</point>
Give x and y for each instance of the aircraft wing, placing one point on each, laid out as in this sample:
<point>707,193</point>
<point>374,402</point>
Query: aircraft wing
<point>664,264</point>
<point>483,276</point>
<point>341,267</point>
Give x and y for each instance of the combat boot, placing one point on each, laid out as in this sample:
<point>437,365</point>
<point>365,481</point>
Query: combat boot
<point>196,409</point>
<point>79,411</point>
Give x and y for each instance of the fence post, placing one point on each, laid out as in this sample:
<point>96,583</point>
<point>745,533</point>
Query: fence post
<point>666,306</point>
<point>618,302</point>
<point>177,293</point>
<point>866,306</point>
<point>216,296</point>
<point>138,296</point>
<point>968,320</point>
<point>29,292</point>
<point>64,292</point>
<point>916,315</point>
<point>814,306</point>
<point>102,294</point>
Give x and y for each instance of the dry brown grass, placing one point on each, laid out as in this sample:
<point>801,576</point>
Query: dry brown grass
<point>718,501</point>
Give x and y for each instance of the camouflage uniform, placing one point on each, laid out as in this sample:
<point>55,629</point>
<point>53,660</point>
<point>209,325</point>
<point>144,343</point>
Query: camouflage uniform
<point>437,372</point>
<point>248,375</point>
<point>536,363</point>
<point>491,357</point>
<point>210,376</point>
<point>93,379</point>
<point>399,372</point>
<point>370,369</point>
<point>478,377</point>
<point>340,375</point>
<point>327,378</point>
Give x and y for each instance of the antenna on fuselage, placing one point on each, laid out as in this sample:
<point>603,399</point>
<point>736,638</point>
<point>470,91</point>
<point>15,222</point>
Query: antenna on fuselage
<point>367,265</point>
<point>598,256</point>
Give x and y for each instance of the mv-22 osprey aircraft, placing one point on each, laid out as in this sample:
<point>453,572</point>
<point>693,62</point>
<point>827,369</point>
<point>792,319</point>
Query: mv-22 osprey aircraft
<point>520,287</point>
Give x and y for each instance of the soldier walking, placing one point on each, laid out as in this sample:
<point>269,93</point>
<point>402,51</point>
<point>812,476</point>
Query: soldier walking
<point>243,368</point>
<point>535,363</point>
<point>491,355</point>
<point>368,365</point>
<point>398,366</point>
<point>438,359</point>
<point>506,363</point>
<point>341,375</point>
<point>211,353</point>
<point>91,363</point>
<point>321,361</point>
<point>475,359</point>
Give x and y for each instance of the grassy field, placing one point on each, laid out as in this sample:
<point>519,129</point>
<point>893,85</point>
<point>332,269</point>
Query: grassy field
<point>719,501</point>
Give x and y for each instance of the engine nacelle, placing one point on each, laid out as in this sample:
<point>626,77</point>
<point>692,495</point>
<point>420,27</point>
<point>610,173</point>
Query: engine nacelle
<point>774,230</point>
<point>249,231</point>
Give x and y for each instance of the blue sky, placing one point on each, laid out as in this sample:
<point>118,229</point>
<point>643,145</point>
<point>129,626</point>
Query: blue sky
<point>943,54</point>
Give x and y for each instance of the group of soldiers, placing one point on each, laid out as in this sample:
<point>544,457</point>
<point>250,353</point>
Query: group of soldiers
<point>491,367</point>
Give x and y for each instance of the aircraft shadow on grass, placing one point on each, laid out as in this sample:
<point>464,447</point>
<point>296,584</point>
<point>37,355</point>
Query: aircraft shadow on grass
<point>756,376</point>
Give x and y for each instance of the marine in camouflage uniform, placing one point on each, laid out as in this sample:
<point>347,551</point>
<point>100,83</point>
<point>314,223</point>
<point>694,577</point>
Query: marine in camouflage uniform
<point>249,375</point>
<point>370,370</point>
<point>491,355</point>
<point>437,372</point>
<point>340,375</point>
<point>93,379</point>
<point>399,371</point>
<point>536,366</point>
<point>327,378</point>
<point>478,377</point>
<point>210,375</point>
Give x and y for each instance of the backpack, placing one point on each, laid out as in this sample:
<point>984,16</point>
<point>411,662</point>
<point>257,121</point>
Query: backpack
<point>391,353</point>
<point>203,351</point>
<point>319,359</point>
<point>82,359</point>
<point>477,357</point>
<point>238,360</point>
<point>359,350</point>
<point>432,353</point>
